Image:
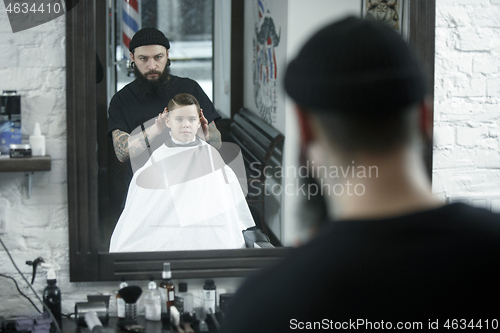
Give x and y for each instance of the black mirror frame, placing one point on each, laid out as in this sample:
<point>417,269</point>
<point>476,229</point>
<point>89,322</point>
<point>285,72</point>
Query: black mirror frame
<point>86,263</point>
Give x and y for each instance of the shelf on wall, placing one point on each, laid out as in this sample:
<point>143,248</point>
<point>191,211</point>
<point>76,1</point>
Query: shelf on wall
<point>26,164</point>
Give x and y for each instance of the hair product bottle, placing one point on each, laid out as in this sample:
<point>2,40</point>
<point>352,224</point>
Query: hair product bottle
<point>152,302</point>
<point>183,299</point>
<point>37,142</point>
<point>209,296</point>
<point>167,289</point>
<point>52,296</point>
<point>120,302</point>
<point>10,120</point>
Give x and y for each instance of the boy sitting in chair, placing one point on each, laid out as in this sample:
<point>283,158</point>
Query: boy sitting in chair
<point>185,197</point>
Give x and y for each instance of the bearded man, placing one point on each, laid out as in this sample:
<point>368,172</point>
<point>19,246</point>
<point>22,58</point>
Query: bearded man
<point>135,115</point>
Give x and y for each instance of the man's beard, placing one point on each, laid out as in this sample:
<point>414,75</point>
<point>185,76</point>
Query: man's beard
<point>154,86</point>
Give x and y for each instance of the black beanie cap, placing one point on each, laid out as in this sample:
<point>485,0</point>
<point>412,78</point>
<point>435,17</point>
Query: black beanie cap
<point>356,68</point>
<point>148,36</point>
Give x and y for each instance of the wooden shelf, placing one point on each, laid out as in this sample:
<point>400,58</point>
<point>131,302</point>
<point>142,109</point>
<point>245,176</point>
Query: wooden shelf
<point>26,164</point>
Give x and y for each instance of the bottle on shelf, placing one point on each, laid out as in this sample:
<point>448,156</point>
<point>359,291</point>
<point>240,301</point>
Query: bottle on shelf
<point>52,296</point>
<point>183,299</point>
<point>152,302</point>
<point>37,142</point>
<point>209,296</point>
<point>167,289</point>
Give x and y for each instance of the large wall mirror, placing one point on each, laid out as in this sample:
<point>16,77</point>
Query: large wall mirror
<point>191,55</point>
<point>88,148</point>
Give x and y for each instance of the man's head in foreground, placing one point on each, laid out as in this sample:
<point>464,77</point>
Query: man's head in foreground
<point>360,98</point>
<point>149,51</point>
<point>183,117</point>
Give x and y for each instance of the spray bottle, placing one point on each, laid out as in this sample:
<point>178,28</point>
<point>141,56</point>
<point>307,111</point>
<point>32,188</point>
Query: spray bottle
<point>52,293</point>
<point>167,289</point>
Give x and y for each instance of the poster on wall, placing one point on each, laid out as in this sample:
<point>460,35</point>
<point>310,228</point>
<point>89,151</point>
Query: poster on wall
<point>387,11</point>
<point>265,67</point>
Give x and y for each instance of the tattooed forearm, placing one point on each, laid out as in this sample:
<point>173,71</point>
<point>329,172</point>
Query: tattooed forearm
<point>120,143</point>
<point>136,144</point>
<point>129,146</point>
<point>214,136</point>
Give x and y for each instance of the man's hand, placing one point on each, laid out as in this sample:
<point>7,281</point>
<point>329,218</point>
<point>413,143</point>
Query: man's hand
<point>210,131</point>
<point>160,121</point>
<point>215,137</point>
<point>204,125</point>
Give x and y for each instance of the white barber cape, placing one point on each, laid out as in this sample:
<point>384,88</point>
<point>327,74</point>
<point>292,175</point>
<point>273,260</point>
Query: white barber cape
<point>183,198</point>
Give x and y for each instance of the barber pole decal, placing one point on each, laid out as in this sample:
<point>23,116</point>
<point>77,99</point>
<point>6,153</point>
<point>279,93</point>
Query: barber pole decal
<point>131,23</point>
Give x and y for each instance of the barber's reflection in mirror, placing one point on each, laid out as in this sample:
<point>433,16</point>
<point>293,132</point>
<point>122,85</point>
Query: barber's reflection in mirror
<point>184,197</point>
<point>138,103</point>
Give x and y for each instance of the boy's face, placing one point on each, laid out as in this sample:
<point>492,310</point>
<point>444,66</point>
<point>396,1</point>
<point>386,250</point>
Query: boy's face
<point>183,123</point>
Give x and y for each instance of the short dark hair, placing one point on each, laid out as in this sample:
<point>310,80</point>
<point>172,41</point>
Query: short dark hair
<point>350,134</point>
<point>181,100</point>
<point>362,81</point>
<point>356,67</point>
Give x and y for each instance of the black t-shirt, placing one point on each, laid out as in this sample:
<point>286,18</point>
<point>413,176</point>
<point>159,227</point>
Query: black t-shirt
<point>129,108</point>
<point>433,265</point>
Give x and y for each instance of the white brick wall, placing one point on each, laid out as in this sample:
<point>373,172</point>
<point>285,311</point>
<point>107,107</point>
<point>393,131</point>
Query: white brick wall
<point>33,63</point>
<point>467,98</point>
<point>466,153</point>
